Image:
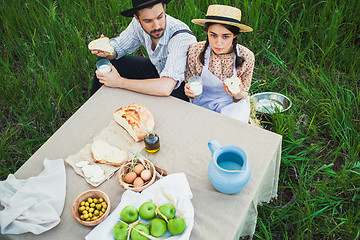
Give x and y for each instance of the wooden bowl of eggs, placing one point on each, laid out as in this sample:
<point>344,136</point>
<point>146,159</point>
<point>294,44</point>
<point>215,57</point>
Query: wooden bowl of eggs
<point>137,174</point>
<point>91,207</point>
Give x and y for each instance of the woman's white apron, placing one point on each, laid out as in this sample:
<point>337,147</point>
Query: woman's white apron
<point>215,98</point>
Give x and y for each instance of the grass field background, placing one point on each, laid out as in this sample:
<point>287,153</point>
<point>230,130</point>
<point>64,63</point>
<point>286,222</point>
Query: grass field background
<point>307,50</point>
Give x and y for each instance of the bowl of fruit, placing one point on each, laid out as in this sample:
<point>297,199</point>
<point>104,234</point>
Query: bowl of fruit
<point>149,221</point>
<point>91,207</point>
<point>137,174</point>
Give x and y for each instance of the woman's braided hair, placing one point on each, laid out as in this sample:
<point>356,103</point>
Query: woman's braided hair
<point>239,61</point>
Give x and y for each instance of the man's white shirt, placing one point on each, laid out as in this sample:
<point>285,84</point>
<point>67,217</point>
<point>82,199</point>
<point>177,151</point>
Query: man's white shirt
<point>170,54</point>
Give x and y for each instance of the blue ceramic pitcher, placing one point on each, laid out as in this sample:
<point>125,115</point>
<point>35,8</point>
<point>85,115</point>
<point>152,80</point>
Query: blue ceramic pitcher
<point>229,170</point>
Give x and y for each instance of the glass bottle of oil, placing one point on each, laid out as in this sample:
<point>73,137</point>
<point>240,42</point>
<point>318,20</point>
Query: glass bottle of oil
<point>152,143</point>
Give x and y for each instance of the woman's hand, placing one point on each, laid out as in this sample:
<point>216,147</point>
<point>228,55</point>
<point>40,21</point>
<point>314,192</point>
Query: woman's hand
<point>236,97</point>
<point>227,90</point>
<point>188,92</point>
<point>110,79</point>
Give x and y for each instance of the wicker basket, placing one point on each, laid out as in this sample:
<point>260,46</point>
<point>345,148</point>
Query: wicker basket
<point>83,197</point>
<point>125,168</point>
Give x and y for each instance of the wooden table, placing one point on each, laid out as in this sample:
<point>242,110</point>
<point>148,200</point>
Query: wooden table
<point>184,131</point>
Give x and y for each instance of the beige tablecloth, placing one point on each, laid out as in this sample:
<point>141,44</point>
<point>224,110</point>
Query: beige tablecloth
<point>184,131</point>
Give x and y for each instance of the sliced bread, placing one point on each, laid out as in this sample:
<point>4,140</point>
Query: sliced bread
<point>102,44</point>
<point>233,84</point>
<point>103,152</point>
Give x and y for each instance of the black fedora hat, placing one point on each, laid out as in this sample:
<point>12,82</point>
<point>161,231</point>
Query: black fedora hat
<point>140,4</point>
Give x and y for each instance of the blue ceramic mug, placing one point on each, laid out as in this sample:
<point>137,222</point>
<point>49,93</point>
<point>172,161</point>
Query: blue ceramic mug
<point>229,169</point>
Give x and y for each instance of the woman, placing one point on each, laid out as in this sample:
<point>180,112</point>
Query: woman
<point>218,58</point>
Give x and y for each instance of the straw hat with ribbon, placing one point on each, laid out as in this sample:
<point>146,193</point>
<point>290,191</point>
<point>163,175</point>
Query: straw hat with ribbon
<point>225,15</point>
<point>141,4</point>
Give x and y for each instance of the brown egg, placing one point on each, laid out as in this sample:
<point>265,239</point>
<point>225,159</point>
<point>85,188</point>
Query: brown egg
<point>130,177</point>
<point>146,175</point>
<point>138,182</point>
<point>138,169</point>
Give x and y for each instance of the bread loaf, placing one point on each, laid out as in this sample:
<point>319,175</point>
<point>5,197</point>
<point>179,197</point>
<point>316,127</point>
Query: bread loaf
<point>103,152</point>
<point>136,120</point>
<point>233,84</point>
<point>102,44</point>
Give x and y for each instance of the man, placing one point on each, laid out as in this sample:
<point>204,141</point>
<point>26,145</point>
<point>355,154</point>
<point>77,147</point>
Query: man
<point>166,40</point>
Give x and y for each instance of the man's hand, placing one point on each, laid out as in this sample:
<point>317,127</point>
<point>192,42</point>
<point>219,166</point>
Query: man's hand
<point>99,53</point>
<point>104,54</point>
<point>110,79</point>
<point>153,86</point>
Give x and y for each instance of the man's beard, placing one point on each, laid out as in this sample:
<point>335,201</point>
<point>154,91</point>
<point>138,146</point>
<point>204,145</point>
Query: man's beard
<point>151,33</point>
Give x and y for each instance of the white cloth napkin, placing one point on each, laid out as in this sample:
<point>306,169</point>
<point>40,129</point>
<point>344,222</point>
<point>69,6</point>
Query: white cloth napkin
<point>175,186</point>
<point>34,204</point>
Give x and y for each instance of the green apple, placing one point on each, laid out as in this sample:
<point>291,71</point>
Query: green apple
<point>157,227</point>
<point>176,226</point>
<point>147,210</point>
<point>135,235</point>
<point>129,214</point>
<point>167,210</point>
<point>120,231</point>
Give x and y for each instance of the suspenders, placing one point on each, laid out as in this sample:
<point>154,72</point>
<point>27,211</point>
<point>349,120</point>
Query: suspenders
<point>182,31</point>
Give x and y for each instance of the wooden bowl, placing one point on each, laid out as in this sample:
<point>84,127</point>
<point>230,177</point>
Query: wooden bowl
<point>83,197</point>
<point>125,169</point>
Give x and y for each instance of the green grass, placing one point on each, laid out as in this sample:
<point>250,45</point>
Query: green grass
<point>307,50</point>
